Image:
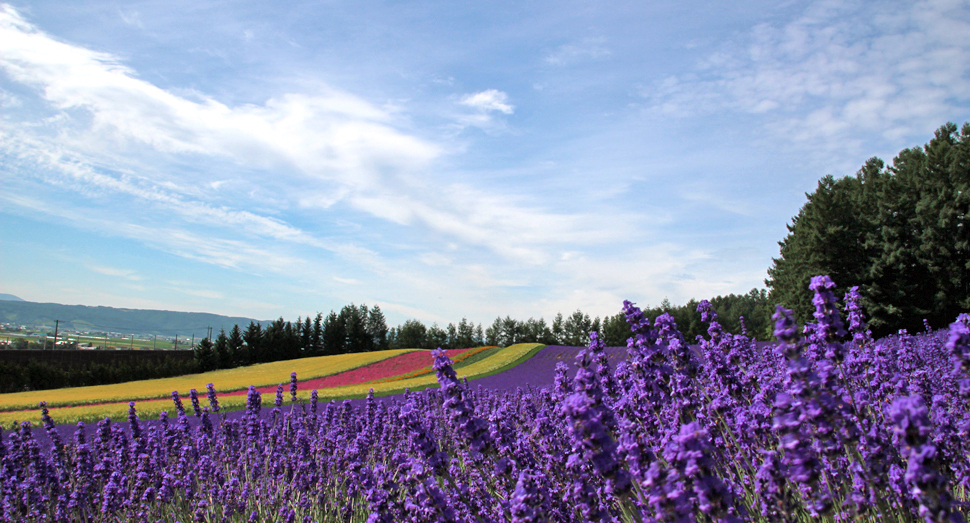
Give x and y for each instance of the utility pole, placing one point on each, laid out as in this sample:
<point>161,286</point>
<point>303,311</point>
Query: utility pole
<point>193,341</point>
<point>176,342</point>
<point>131,343</point>
<point>105,340</point>
<point>153,341</point>
<point>57,323</point>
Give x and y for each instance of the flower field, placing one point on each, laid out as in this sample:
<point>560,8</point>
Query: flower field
<point>263,374</point>
<point>828,424</point>
<point>402,366</point>
<point>349,377</point>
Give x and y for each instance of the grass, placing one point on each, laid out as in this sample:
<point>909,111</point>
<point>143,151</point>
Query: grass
<point>99,341</point>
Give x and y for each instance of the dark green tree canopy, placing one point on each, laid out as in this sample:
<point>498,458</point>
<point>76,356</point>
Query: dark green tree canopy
<point>899,232</point>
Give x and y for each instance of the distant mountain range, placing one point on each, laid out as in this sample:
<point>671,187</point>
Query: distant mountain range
<point>109,319</point>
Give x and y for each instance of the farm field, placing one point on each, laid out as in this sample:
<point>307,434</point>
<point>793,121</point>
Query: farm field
<point>832,426</point>
<point>343,376</point>
<point>261,375</point>
<point>112,343</point>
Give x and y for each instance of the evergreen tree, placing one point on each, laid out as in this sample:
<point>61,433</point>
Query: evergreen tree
<point>253,338</point>
<point>616,330</point>
<point>355,323</point>
<point>479,336</point>
<point>274,341</point>
<point>316,338</point>
<point>577,328</point>
<point>377,329</point>
<point>510,331</point>
<point>436,338</point>
<point>223,355</point>
<point>306,337</point>
<point>465,334</point>
<point>334,334</point>
<point>237,347</point>
<point>898,232</point>
<point>558,330</point>
<point>412,335</point>
<point>292,344</point>
<point>536,331</point>
<point>205,356</point>
<point>493,334</point>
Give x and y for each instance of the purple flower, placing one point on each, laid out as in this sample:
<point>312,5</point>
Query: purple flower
<point>958,344</point>
<point>178,403</point>
<point>591,441</point>
<point>857,322</point>
<point>194,396</point>
<point>133,421</point>
<point>927,484</point>
<point>292,386</point>
<point>471,428</point>
<point>526,507</point>
<point>689,453</point>
<point>213,401</point>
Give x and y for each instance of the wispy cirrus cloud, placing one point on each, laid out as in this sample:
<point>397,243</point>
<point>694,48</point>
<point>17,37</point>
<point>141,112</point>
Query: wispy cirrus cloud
<point>893,69</point>
<point>127,274</point>
<point>332,146</point>
<point>585,49</point>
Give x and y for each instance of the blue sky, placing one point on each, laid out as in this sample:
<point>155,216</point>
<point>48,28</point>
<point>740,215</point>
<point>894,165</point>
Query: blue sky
<point>442,159</point>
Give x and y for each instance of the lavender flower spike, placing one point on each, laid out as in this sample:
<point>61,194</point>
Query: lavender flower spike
<point>958,344</point>
<point>924,476</point>
<point>211,394</point>
<point>525,501</point>
<point>829,330</point>
<point>178,403</point>
<point>473,429</point>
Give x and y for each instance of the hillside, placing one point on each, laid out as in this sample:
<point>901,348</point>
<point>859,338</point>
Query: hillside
<point>110,319</point>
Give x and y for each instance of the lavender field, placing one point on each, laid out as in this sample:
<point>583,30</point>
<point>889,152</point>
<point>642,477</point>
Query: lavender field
<point>825,425</point>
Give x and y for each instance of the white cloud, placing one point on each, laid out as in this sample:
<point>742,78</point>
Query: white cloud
<point>487,101</point>
<point>8,100</point>
<point>132,18</point>
<point>893,70</point>
<point>309,150</point>
<point>329,135</point>
<point>112,271</point>
<point>586,49</point>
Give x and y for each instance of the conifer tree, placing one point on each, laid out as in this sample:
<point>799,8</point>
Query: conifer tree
<point>899,232</point>
<point>223,357</point>
<point>237,347</point>
<point>377,328</point>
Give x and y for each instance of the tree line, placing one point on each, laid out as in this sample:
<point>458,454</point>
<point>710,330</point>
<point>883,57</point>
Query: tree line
<point>38,375</point>
<point>359,328</point>
<point>897,231</point>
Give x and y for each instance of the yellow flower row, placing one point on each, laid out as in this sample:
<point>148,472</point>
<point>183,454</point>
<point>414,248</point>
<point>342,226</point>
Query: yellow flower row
<point>260,375</point>
<point>151,409</point>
